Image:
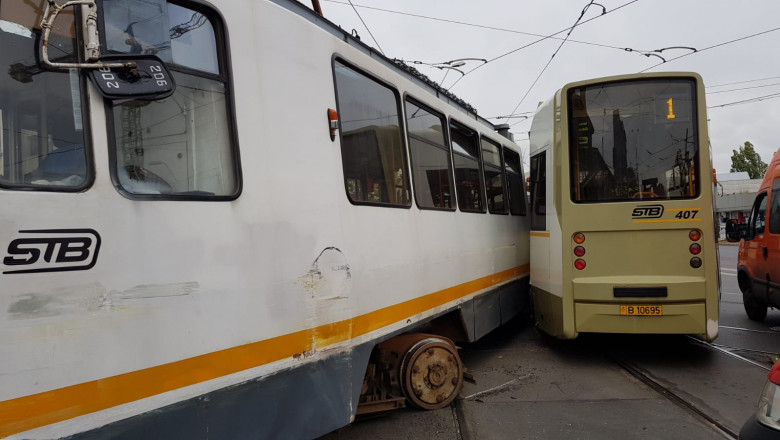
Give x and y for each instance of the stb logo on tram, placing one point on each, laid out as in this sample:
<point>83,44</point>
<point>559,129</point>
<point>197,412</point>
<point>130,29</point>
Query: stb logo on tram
<point>51,250</point>
<point>647,211</point>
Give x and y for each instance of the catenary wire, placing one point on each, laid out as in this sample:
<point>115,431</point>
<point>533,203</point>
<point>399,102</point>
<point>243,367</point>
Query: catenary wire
<point>713,47</point>
<point>366,26</point>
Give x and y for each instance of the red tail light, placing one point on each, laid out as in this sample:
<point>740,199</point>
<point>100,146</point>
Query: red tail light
<point>579,264</point>
<point>695,249</point>
<point>579,251</point>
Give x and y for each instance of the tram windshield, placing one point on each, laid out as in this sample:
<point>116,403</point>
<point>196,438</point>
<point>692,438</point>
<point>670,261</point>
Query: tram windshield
<point>634,140</point>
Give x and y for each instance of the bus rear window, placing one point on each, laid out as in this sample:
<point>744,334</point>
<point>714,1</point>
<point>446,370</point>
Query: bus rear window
<point>635,140</point>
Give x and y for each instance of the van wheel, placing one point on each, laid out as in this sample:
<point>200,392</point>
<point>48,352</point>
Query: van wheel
<point>755,310</point>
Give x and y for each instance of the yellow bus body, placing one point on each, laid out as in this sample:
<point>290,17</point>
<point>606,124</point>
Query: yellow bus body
<point>642,263</point>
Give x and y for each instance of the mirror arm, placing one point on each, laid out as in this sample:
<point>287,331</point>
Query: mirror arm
<point>92,46</point>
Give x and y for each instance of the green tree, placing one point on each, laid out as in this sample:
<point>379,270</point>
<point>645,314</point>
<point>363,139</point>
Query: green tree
<point>746,159</point>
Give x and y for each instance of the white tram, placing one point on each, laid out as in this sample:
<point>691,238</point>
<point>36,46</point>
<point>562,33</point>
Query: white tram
<point>210,224</point>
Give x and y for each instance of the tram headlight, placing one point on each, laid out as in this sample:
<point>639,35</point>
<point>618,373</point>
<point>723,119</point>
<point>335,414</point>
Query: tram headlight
<point>769,404</point>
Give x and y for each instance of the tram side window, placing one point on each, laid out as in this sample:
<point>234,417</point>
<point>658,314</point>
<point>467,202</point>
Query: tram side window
<point>514,176</point>
<point>468,182</point>
<point>431,166</point>
<point>183,146</point>
<point>494,177</point>
<point>539,192</point>
<point>372,149</point>
<point>43,143</point>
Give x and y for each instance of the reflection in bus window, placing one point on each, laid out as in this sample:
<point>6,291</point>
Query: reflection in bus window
<point>468,181</point>
<point>514,176</point>
<point>633,140</point>
<point>430,156</point>
<point>494,176</point>
<point>43,143</point>
<point>372,148</point>
<point>180,145</point>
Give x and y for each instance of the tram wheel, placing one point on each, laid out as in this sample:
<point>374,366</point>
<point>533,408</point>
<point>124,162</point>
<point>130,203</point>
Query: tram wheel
<point>754,309</point>
<point>431,373</point>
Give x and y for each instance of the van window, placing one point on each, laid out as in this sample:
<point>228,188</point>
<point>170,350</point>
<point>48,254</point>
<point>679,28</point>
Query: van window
<point>774,211</point>
<point>758,216</point>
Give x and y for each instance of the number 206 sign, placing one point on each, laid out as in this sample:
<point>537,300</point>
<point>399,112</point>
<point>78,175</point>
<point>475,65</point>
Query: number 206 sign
<point>148,80</point>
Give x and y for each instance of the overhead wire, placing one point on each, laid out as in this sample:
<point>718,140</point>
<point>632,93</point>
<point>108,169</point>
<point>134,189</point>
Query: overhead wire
<point>543,39</point>
<point>366,26</point>
<point>712,47</point>
<point>571,29</point>
<point>493,28</point>
<point>743,82</point>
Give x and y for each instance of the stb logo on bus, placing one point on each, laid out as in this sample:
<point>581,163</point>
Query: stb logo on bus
<point>52,250</point>
<point>648,211</point>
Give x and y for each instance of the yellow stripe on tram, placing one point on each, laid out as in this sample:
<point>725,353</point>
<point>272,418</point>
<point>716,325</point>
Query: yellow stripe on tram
<point>33,411</point>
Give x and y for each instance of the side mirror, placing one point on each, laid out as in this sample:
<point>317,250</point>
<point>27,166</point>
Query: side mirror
<point>738,232</point>
<point>734,230</point>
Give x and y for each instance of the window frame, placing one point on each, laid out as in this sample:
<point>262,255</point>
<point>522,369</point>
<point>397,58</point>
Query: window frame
<point>86,128</point>
<point>478,159</point>
<point>521,176</point>
<point>224,76</point>
<point>401,130</point>
<point>773,207</point>
<point>539,180</point>
<point>698,178</point>
<point>501,171</point>
<point>446,148</point>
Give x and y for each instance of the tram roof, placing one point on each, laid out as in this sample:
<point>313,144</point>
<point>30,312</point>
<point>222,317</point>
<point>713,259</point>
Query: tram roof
<point>399,66</point>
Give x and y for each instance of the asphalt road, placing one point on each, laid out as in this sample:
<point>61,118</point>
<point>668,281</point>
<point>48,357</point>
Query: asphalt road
<point>529,386</point>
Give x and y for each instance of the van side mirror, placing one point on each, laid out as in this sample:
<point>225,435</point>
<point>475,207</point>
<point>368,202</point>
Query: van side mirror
<point>735,231</point>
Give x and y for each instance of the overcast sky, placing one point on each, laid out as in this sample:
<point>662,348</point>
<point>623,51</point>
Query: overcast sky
<point>736,64</point>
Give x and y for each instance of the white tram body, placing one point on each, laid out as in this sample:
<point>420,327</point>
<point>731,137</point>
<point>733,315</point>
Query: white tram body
<point>207,272</point>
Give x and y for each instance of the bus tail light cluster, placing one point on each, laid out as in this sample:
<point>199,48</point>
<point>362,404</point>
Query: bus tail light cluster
<point>579,250</point>
<point>695,248</point>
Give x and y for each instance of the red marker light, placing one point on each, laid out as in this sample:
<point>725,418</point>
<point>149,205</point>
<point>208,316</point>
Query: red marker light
<point>579,251</point>
<point>695,249</point>
<point>579,264</point>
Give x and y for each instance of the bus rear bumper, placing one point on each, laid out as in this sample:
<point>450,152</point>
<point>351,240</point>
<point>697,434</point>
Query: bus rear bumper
<point>677,318</point>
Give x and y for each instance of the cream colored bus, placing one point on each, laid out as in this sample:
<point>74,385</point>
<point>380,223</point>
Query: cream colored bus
<point>622,236</point>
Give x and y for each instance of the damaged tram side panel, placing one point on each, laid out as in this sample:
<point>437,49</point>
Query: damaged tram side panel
<point>190,247</point>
